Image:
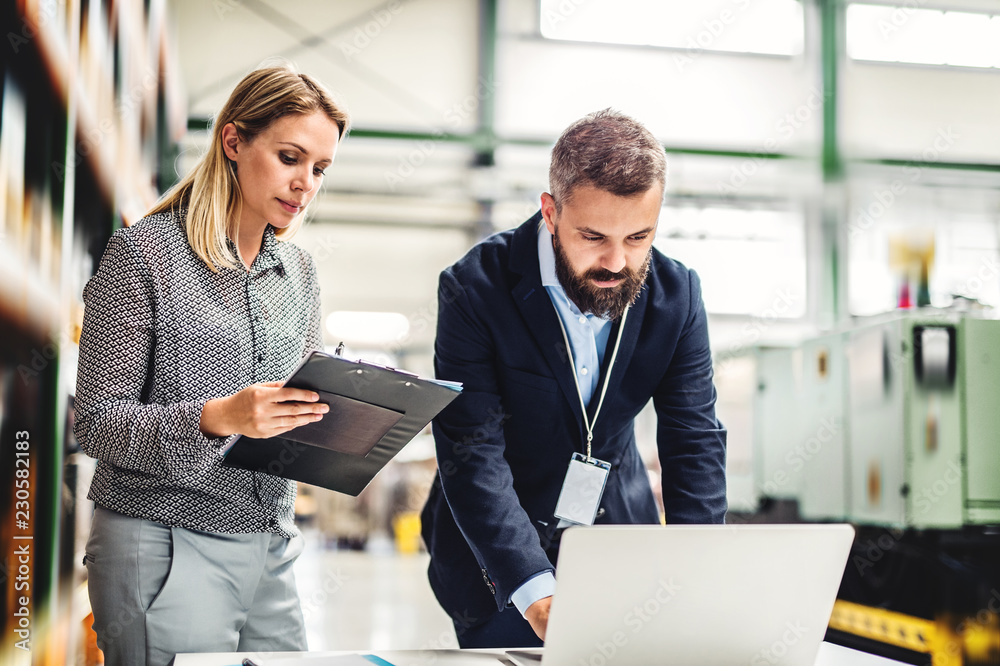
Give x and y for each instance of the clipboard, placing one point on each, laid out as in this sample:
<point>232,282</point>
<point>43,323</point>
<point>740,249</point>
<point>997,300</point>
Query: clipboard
<point>374,412</point>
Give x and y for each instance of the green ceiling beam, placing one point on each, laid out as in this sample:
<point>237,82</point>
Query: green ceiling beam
<point>832,287</point>
<point>928,164</point>
<point>831,38</point>
<point>478,140</point>
<point>487,78</point>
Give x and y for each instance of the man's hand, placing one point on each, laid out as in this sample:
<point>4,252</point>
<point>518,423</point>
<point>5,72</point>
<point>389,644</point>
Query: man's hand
<point>537,615</point>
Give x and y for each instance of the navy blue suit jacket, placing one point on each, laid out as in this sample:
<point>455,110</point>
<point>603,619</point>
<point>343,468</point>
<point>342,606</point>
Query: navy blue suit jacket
<point>504,444</point>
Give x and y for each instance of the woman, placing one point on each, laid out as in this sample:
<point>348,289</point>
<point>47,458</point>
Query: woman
<point>194,316</point>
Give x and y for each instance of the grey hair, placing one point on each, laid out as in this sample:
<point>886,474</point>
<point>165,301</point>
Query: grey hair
<point>610,151</point>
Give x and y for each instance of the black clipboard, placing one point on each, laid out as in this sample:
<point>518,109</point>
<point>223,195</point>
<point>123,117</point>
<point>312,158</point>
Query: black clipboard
<point>374,412</point>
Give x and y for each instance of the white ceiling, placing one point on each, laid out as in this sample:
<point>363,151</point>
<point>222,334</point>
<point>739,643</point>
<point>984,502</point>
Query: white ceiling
<point>395,64</point>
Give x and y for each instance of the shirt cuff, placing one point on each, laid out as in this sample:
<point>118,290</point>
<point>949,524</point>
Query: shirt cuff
<point>537,587</point>
<point>216,446</point>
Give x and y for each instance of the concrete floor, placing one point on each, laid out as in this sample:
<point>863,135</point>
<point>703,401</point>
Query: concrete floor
<point>376,599</point>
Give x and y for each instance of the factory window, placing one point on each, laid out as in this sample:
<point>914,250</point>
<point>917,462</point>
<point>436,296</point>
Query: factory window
<point>750,261</point>
<point>772,27</point>
<point>907,34</point>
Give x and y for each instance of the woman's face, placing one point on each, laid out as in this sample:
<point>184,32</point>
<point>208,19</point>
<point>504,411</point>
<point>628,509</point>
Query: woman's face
<point>280,170</point>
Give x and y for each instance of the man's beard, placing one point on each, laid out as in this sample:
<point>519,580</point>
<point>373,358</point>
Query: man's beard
<point>607,302</point>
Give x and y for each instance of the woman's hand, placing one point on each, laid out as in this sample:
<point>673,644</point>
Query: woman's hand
<point>261,411</point>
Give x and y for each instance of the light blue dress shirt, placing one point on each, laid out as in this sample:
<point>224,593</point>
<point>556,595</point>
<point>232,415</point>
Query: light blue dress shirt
<point>588,339</point>
<point>588,334</point>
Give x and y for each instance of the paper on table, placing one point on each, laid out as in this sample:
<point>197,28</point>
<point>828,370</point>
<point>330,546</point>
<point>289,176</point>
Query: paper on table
<point>395,657</point>
<point>340,660</point>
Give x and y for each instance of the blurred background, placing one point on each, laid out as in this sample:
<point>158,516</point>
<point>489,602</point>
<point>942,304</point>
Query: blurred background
<point>834,179</point>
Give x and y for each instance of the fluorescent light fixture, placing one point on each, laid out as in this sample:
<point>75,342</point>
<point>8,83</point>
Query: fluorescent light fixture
<point>367,329</point>
<point>884,33</point>
<point>774,27</point>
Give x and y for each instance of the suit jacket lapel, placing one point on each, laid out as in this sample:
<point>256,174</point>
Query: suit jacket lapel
<point>538,312</point>
<point>541,319</point>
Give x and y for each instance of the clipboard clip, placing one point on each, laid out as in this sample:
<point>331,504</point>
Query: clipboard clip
<point>386,367</point>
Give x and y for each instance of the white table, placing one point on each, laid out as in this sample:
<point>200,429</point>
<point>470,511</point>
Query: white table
<point>829,655</point>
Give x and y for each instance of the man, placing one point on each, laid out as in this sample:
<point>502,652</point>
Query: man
<point>572,308</point>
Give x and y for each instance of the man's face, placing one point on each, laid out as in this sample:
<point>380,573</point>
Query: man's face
<point>603,245</point>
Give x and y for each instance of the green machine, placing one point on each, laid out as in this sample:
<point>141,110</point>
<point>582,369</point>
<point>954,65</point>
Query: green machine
<point>923,420</point>
<point>894,422</point>
<point>799,440</point>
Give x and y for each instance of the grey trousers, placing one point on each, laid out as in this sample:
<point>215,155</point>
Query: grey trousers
<point>157,590</point>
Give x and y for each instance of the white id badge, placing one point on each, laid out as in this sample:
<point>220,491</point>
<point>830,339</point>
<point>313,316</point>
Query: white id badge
<point>582,490</point>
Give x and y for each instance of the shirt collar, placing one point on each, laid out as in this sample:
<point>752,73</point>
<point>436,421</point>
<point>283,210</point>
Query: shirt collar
<point>547,270</point>
<point>268,257</point>
<point>547,258</point>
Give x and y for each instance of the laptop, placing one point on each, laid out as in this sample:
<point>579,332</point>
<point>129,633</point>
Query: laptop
<point>759,595</point>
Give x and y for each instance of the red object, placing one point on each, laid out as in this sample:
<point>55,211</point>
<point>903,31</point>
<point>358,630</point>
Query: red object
<point>904,296</point>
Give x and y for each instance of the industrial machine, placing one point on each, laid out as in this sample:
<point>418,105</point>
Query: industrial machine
<point>895,422</point>
<point>893,425</point>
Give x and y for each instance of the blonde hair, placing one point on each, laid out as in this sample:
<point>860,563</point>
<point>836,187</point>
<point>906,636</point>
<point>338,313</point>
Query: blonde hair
<point>211,192</point>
